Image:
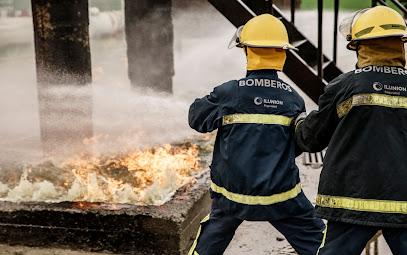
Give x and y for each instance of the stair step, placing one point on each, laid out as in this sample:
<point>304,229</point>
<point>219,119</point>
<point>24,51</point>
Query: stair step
<point>331,71</point>
<point>299,43</point>
<point>314,159</point>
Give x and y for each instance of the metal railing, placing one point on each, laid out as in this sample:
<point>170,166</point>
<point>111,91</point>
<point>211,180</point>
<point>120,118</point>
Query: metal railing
<point>397,3</point>
<point>320,57</point>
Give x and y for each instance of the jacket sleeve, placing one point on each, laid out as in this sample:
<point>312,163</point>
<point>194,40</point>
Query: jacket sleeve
<point>313,133</point>
<point>301,107</point>
<point>204,113</point>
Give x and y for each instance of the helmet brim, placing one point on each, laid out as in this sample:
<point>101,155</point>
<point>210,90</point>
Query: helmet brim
<point>352,45</point>
<point>262,44</point>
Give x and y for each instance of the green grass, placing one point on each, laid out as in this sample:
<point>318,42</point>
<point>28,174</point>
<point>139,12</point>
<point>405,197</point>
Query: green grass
<point>106,5</point>
<point>343,4</point>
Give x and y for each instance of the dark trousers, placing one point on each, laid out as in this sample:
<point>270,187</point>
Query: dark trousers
<point>304,232</point>
<point>342,238</point>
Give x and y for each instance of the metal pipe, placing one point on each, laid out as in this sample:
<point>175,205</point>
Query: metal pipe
<point>292,11</point>
<point>269,7</point>
<point>382,2</point>
<point>319,51</point>
<point>399,5</point>
<point>336,10</point>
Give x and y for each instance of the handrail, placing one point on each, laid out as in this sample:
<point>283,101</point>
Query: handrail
<point>319,49</point>
<point>335,47</point>
<point>292,11</point>
<point>320,68</point>
<point>269,6</point>
<point>320,59</point>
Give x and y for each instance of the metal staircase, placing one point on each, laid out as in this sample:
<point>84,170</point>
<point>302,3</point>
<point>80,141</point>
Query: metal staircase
<point>301,66</point>
<point>308,68</point>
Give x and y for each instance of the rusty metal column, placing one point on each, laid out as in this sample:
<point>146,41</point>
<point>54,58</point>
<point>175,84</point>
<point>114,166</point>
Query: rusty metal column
<point>150,37</point>
<point>62,54</point>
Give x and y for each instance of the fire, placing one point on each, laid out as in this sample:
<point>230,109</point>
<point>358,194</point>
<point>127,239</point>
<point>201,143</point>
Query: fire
<point>138,176</point>
<point>133,176</point>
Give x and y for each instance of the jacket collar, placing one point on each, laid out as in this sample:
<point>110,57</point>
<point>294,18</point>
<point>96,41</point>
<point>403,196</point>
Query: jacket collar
<point>266,73</point>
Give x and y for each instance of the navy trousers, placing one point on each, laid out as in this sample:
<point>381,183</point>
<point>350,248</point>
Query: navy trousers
<point>304,232</point>
<point>343,238</point>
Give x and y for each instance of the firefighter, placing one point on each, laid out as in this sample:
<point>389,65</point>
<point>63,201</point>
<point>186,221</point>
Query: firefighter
<point>362,118</point>
<point>253,171</point>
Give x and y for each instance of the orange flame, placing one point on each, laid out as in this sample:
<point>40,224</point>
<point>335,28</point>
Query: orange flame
<point>129,177</point>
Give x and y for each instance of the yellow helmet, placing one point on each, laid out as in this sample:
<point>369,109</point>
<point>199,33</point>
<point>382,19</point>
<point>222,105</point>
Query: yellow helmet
<point>263,31</point>
<point>371,23</point>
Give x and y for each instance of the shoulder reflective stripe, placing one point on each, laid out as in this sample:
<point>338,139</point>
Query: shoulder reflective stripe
<point>365,205</point>
<point>192,250</point>
<point>257,119</point>
<point>344,107</point>
<point>257,200</point>
<point>371,99</point>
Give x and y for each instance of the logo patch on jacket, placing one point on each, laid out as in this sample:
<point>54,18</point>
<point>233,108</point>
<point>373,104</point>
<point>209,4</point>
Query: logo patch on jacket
<point>389,89</point>
<point>273,103</point>
<point>377,86</point>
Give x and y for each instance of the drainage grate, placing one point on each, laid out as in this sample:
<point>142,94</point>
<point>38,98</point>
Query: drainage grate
<point>314,159</point>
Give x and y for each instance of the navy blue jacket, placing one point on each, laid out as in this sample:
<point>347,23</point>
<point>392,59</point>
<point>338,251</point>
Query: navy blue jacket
<point>362,118</point>
<point>253,170</point>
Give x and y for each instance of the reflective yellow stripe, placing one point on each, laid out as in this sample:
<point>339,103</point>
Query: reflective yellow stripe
<point>371,99</point>
<point>192,250</point>
<point>257,119</point>
<point>296,126</point>
<point>365,205</point>
<point>344,107</point>
<point>257,200</point>
<point>323,240</point>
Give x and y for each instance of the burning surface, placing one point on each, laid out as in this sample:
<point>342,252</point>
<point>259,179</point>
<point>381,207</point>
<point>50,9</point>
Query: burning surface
<point>140,176</point>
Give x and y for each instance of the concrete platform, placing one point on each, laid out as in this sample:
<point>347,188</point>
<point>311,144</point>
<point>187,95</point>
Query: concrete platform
<point>119,228</point>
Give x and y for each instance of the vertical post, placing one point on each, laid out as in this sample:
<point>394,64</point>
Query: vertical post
<point>269,6</point>
<point>335,47</point>
<point>150,39</point>
<point>62,54</point>
<point>374,3</point>
<point>292,11</point>
<point>319,52</point>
